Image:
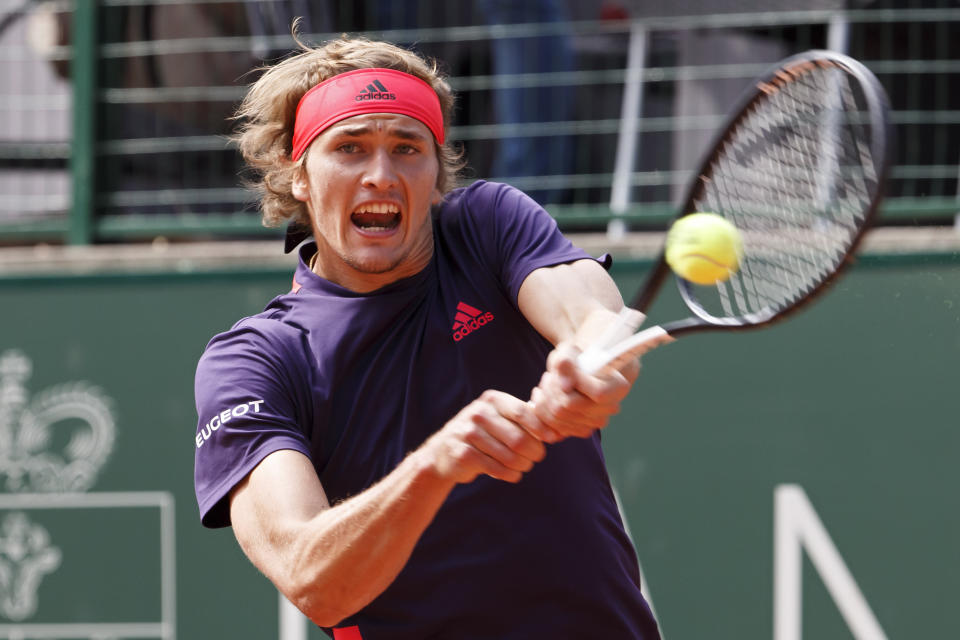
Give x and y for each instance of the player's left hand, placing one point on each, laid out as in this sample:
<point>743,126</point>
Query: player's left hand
<point>574,403</point>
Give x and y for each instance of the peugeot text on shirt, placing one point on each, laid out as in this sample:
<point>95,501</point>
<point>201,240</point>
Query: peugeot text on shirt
<point>226,416</point>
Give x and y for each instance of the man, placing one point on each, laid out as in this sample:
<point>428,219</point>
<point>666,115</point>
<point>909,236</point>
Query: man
<point>381,439</point>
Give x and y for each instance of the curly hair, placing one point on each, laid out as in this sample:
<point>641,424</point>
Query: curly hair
<point>267,115</point>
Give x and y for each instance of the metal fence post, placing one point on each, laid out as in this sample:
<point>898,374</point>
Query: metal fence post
<point>83,74</point>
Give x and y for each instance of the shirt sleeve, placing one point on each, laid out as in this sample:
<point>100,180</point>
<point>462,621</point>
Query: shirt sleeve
<point>517,232</point>
<point>250,395</point>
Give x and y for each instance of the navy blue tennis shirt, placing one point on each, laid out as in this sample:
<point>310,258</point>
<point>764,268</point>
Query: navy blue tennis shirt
<point>357,381</point>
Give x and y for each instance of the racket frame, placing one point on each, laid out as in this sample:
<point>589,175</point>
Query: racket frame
<point>770,81</point>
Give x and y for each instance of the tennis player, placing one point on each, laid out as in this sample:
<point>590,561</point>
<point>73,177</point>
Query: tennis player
<point>403,444</point>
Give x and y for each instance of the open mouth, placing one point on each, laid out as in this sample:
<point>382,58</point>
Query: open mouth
<point>376,217</point>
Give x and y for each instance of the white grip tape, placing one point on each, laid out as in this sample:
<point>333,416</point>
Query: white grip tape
<point>594,358</point>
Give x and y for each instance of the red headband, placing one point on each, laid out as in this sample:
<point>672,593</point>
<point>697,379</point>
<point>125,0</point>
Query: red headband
<point>364,91</point>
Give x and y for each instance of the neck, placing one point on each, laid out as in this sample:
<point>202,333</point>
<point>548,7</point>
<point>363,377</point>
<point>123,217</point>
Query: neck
<point>363,278</point>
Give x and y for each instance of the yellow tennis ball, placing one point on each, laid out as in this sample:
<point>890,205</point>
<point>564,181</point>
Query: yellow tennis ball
<point>703,248</point>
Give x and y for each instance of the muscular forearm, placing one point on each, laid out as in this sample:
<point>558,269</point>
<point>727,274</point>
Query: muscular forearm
<point>332,561</point>
<point>348,554</point>
<point>569,301</point>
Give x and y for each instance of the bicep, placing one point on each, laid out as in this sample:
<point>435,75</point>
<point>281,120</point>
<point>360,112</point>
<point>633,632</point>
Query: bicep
<point>558,300</point>
<point>271,505</point>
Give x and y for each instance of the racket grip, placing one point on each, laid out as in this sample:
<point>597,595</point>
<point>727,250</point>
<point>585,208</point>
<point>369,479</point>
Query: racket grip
<point>627,323</point>
<point>595,358</point>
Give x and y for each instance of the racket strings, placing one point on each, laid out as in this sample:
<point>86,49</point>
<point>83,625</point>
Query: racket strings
<point>796,177</point>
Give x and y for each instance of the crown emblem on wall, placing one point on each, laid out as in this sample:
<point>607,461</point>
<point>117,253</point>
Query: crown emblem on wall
<point>56,441</point>
<point>26,555</point>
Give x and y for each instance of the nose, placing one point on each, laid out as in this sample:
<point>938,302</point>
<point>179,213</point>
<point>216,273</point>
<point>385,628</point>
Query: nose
<point>380,172</point>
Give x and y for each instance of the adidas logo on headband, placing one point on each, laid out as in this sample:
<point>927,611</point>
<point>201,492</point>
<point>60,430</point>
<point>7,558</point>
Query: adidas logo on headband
<point>375,91</point>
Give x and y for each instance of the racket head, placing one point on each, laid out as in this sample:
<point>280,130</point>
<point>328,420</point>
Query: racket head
<point>799,168</point>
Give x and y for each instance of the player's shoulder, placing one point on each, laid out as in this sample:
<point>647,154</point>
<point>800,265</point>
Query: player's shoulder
<point>482,193</point>
<point>482,203</point>
<point>267,336</point>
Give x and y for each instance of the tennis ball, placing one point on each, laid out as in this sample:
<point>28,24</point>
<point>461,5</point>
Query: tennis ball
<point>703,248</point>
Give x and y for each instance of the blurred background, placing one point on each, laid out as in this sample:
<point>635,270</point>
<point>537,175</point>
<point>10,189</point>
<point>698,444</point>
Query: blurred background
<point>127,240</point>
<point>115,113</point>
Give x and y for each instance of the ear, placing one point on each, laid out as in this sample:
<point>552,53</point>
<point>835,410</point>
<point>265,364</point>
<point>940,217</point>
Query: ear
<point>300,187</point>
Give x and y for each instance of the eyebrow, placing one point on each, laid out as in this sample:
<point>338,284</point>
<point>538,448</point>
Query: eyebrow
<point>397,131</point>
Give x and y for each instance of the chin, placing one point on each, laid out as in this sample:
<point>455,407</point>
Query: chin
<point>374,264</point>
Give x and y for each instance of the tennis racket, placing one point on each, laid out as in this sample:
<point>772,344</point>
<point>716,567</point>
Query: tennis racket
<point>799,169</point>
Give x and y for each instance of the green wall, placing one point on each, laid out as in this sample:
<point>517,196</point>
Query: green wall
<point>854,401</point>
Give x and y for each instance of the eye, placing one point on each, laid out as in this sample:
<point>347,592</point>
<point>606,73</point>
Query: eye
<point>348,147</point>
<point>407,149</point>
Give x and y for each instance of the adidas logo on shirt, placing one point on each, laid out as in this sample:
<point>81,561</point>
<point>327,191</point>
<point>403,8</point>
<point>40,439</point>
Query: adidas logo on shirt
<point>375,91</point>
<point>467,320</point>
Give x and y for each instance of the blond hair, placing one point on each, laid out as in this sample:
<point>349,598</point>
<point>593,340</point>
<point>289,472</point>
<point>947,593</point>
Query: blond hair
<point>267,115</point>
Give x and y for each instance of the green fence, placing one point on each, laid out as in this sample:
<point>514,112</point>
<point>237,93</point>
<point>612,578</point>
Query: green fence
<point>809,469</point>
<point>116,109</point>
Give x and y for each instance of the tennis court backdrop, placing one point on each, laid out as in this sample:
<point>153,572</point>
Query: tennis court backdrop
<point>844,418</point>
<point>795,482</point>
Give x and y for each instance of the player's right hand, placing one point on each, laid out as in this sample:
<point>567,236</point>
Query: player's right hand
<point>497,434</point>
<point>574,403</point>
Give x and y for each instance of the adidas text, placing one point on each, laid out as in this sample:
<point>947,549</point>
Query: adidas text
<point>471,325</point>
<point>375,96</point>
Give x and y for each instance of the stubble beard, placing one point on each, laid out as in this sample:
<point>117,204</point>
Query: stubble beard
<point>372,266</point>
